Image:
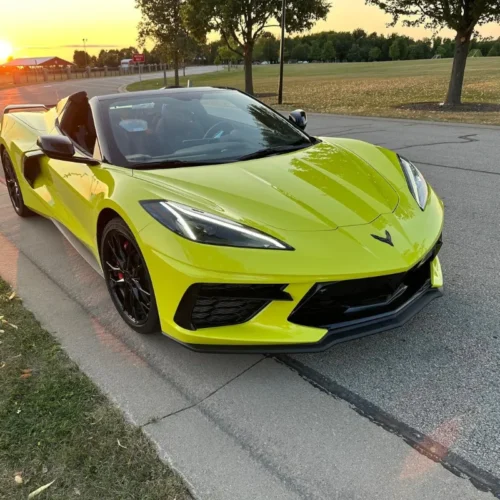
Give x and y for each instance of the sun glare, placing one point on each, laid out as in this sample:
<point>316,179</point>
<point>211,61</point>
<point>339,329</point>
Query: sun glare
<point>5,50</point>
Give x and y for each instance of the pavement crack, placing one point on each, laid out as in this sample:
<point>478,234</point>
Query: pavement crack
<point>466,139</point>
<point>155,420</point>
<point>457,168</point>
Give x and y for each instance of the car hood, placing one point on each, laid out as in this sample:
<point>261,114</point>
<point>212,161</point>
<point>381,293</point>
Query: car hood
<point>319,188</point>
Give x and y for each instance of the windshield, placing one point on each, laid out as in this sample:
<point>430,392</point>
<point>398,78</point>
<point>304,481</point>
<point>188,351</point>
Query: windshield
<point>195,128</point>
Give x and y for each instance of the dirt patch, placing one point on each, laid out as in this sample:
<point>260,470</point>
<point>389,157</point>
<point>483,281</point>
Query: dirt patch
<point>468,107</point>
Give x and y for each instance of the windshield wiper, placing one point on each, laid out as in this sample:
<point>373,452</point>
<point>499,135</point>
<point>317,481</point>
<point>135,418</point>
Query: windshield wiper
<point>170,164</point>
<point>276,150</point>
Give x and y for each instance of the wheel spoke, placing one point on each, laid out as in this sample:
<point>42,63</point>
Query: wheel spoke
<point>133,302</point>
<point>115,248</point>
<point>127,301</point>
<point>113,268</point>
<point>139,287</point>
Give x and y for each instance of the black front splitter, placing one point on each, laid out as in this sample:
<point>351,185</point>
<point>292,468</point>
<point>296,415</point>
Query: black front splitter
<point>336,335</point>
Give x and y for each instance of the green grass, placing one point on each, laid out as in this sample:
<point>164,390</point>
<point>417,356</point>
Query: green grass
<point>56,425</point>
<point>367,89</point>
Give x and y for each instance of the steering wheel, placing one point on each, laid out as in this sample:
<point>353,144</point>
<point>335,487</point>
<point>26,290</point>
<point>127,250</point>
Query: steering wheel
<point>219,129</point>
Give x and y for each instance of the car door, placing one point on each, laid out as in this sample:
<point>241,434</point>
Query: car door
<point>76,185</point>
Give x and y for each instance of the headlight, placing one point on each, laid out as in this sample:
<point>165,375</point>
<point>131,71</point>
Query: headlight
<point>203,227</point>
<point>416,182</point>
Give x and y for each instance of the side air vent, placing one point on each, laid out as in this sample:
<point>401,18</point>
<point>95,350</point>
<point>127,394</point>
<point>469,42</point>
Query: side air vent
<point>31,166</point>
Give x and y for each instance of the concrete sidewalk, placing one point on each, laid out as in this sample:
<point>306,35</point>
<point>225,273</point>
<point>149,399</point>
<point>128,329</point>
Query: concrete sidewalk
<point>235,427</point>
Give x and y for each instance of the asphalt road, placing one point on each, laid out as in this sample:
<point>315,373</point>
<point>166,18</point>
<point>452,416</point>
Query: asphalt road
<point>436,380</point>
<point>440,373</point>
<point>51,92</point>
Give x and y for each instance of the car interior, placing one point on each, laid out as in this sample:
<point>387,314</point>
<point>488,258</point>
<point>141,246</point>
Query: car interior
<point>168,125</point>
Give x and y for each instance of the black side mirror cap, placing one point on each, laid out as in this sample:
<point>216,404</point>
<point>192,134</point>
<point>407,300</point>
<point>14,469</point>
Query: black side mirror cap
<point>298,118</point>
<point>60,147</point>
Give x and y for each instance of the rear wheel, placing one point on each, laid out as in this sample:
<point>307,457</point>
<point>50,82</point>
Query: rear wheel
<point>127,278</point>
<point>16,197</point>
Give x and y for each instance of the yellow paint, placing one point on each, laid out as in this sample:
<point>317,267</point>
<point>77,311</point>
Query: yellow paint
<point>325,201</point>
<point>436,273</point>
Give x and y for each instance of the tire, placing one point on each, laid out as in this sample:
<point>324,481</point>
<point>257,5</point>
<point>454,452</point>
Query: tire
<point>127,278</point>
<point>13,187</point>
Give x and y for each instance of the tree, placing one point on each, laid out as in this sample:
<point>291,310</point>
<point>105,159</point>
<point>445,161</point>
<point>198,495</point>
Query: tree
<point>495,50</point>
<point>127,53</point>
<point>461,16</point>
<point>328,53</point>
<point>81,58</point>
<point>359,34</point>
<point>301,52</point>
<point>267,48</point>
<point>161,21</point>
<point>227,55</point>
<point>354,54</point>
<point>394,51</point>
<point>244,21</point>
<point>375,54</point>
<point>343,43</point>
<point>316,51</point>
<point>403,47</point>
<point>415,51</point>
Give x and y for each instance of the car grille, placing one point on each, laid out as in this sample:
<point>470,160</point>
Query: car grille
<point>207,305</point>
<point>331,305</point>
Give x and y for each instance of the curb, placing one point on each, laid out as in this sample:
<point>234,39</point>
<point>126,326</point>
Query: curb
<point>122,89</point>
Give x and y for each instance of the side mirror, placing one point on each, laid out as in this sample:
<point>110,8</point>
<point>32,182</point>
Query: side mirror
<point>298,118</point>
<point>60,147</point>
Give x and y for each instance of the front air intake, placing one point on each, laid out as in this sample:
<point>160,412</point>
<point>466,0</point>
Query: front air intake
<point>208,305</point>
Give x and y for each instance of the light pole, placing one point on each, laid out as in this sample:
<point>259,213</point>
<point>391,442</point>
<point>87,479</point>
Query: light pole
<point>282,51</point>
<point>85,40</point>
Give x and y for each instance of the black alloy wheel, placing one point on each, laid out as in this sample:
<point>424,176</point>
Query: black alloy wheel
<point>13,187</point>
<point>127,278</point>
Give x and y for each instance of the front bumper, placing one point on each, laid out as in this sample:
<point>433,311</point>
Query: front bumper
<point>273,322</point>
<point>325,257</point>
<point>375,324</point>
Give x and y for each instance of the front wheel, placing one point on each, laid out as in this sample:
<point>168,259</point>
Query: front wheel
<point>127,278</point>
<point>15,195</point>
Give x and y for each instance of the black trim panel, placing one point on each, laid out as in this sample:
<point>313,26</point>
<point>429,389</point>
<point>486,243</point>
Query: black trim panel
<point>354,330</point>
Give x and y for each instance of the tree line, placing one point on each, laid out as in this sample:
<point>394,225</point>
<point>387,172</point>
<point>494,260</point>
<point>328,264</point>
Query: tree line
<point>355,46</point>
<point>327,46</point>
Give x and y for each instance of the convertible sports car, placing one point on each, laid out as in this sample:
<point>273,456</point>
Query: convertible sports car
<point>221,223</point>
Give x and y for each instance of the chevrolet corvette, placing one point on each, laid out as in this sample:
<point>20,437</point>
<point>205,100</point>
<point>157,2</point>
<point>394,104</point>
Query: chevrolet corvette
<point>221,223</point>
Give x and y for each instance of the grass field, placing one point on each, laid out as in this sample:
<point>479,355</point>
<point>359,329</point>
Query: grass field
<point>56,427</point>
<point>368,89</point>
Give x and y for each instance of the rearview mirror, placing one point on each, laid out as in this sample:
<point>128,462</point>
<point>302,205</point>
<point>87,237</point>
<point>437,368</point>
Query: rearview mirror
<point>59,147</point>
<point>298,118</point>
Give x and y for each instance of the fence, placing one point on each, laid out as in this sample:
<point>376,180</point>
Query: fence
<point>38,75</point>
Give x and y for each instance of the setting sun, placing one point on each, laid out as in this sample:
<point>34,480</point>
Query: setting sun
<point>5,50</point>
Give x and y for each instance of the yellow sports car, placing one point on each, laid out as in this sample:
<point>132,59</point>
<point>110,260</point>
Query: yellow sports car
<point>221,223</point>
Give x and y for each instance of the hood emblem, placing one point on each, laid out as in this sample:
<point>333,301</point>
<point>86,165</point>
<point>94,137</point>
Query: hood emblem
<point>387,239</point>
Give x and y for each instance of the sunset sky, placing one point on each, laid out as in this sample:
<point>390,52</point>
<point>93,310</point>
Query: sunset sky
<point>56,27</point>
